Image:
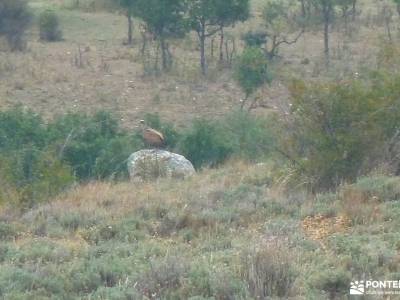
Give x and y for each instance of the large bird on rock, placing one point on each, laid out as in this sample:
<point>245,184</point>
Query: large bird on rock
<point>151,137</point>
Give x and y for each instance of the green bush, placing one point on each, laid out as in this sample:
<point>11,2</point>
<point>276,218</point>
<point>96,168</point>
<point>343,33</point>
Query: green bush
<point>250,137</point>
<point>15,18</point>
<point>205,144</point>
<point>342,130</point>
<point>20,128</point>
<point>385,188</point>
<point>7,231</point>
<point>255,38</point>
<point>49,26</point>
<point>252,71</point>
<point>335,283</point>
<point>36,175</point>
<point>94,146</point>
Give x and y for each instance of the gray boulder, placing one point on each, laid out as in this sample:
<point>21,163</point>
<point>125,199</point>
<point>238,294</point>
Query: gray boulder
<point>154,163</point>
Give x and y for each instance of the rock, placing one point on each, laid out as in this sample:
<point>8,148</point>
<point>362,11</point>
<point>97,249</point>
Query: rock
<point>154,163</point>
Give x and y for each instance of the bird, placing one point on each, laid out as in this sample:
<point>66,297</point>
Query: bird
<point>151,137</point>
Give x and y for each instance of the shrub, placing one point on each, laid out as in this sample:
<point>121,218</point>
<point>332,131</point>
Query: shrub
<point>19,128</point>
<point>384,188</point>
<point>205,144</point>
<point>15,18</point>
<point>255,38</point>
<point>163,277</point>
<point>340,130</point>
<point>250,137</point>
<point>49,26</point>
<point>269,273</point>
<point>94,146</point>
<point>333,282</point>
<point>37,175</point>
<point>252,71</point>
<point>7,231</point>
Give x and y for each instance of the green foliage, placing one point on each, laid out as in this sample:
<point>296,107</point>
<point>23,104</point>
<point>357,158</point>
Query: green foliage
<point>30,168</point>
<point>384,188</point>
<point>165,19</point>
<point>38,161</point>
<point>19,128</point>
<point>339,129</point>
<point>49,26</point>
<point>334,283</point>
<point>282,25</point>
<point>94,146</point>
<point>255,38</point>
<point>210,143</point>
<point>207,17</point>
<point>205,144</point>
<point>15,18</point>
<point>36,175</point>
<point>250,137</point>
<point>252,70</point>
<point>7,231</point>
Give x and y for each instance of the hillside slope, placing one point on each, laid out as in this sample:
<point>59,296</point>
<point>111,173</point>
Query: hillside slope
<point>231,233</point>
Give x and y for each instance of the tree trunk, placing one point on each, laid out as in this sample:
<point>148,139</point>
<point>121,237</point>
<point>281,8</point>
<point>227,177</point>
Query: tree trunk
<point>326,12</point>
<point>130,27</point>
<point>303,9</point>
<point>164,54</point>
<point>353,11</point>
<point>221,45</point>
<point>202,37</point>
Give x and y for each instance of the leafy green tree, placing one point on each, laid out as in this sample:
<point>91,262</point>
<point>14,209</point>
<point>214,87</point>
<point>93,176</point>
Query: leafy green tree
<point>207,17</point>
<point>165,19</point>
<point>252,72</point>
<point>15,18</point>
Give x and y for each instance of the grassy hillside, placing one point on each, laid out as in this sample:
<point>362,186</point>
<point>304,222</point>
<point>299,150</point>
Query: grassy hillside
<point>229,233</point>
<point>292,200</point>
<point>91,67</point>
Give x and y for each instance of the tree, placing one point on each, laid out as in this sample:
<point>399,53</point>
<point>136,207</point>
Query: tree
<point>15,18</point>
<point>280,24</point>
<point>228,12</point>
<point>164,19</point>
<point>203,20</point>
<point>129,6</point>
<point>252,72</point>
<point>397,2</point>
<point>327,10</point>
<point>207,17</point>
<point>347,7</point>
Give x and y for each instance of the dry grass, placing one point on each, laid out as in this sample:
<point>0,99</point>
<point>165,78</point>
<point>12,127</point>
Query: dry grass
<point>49,79</point>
